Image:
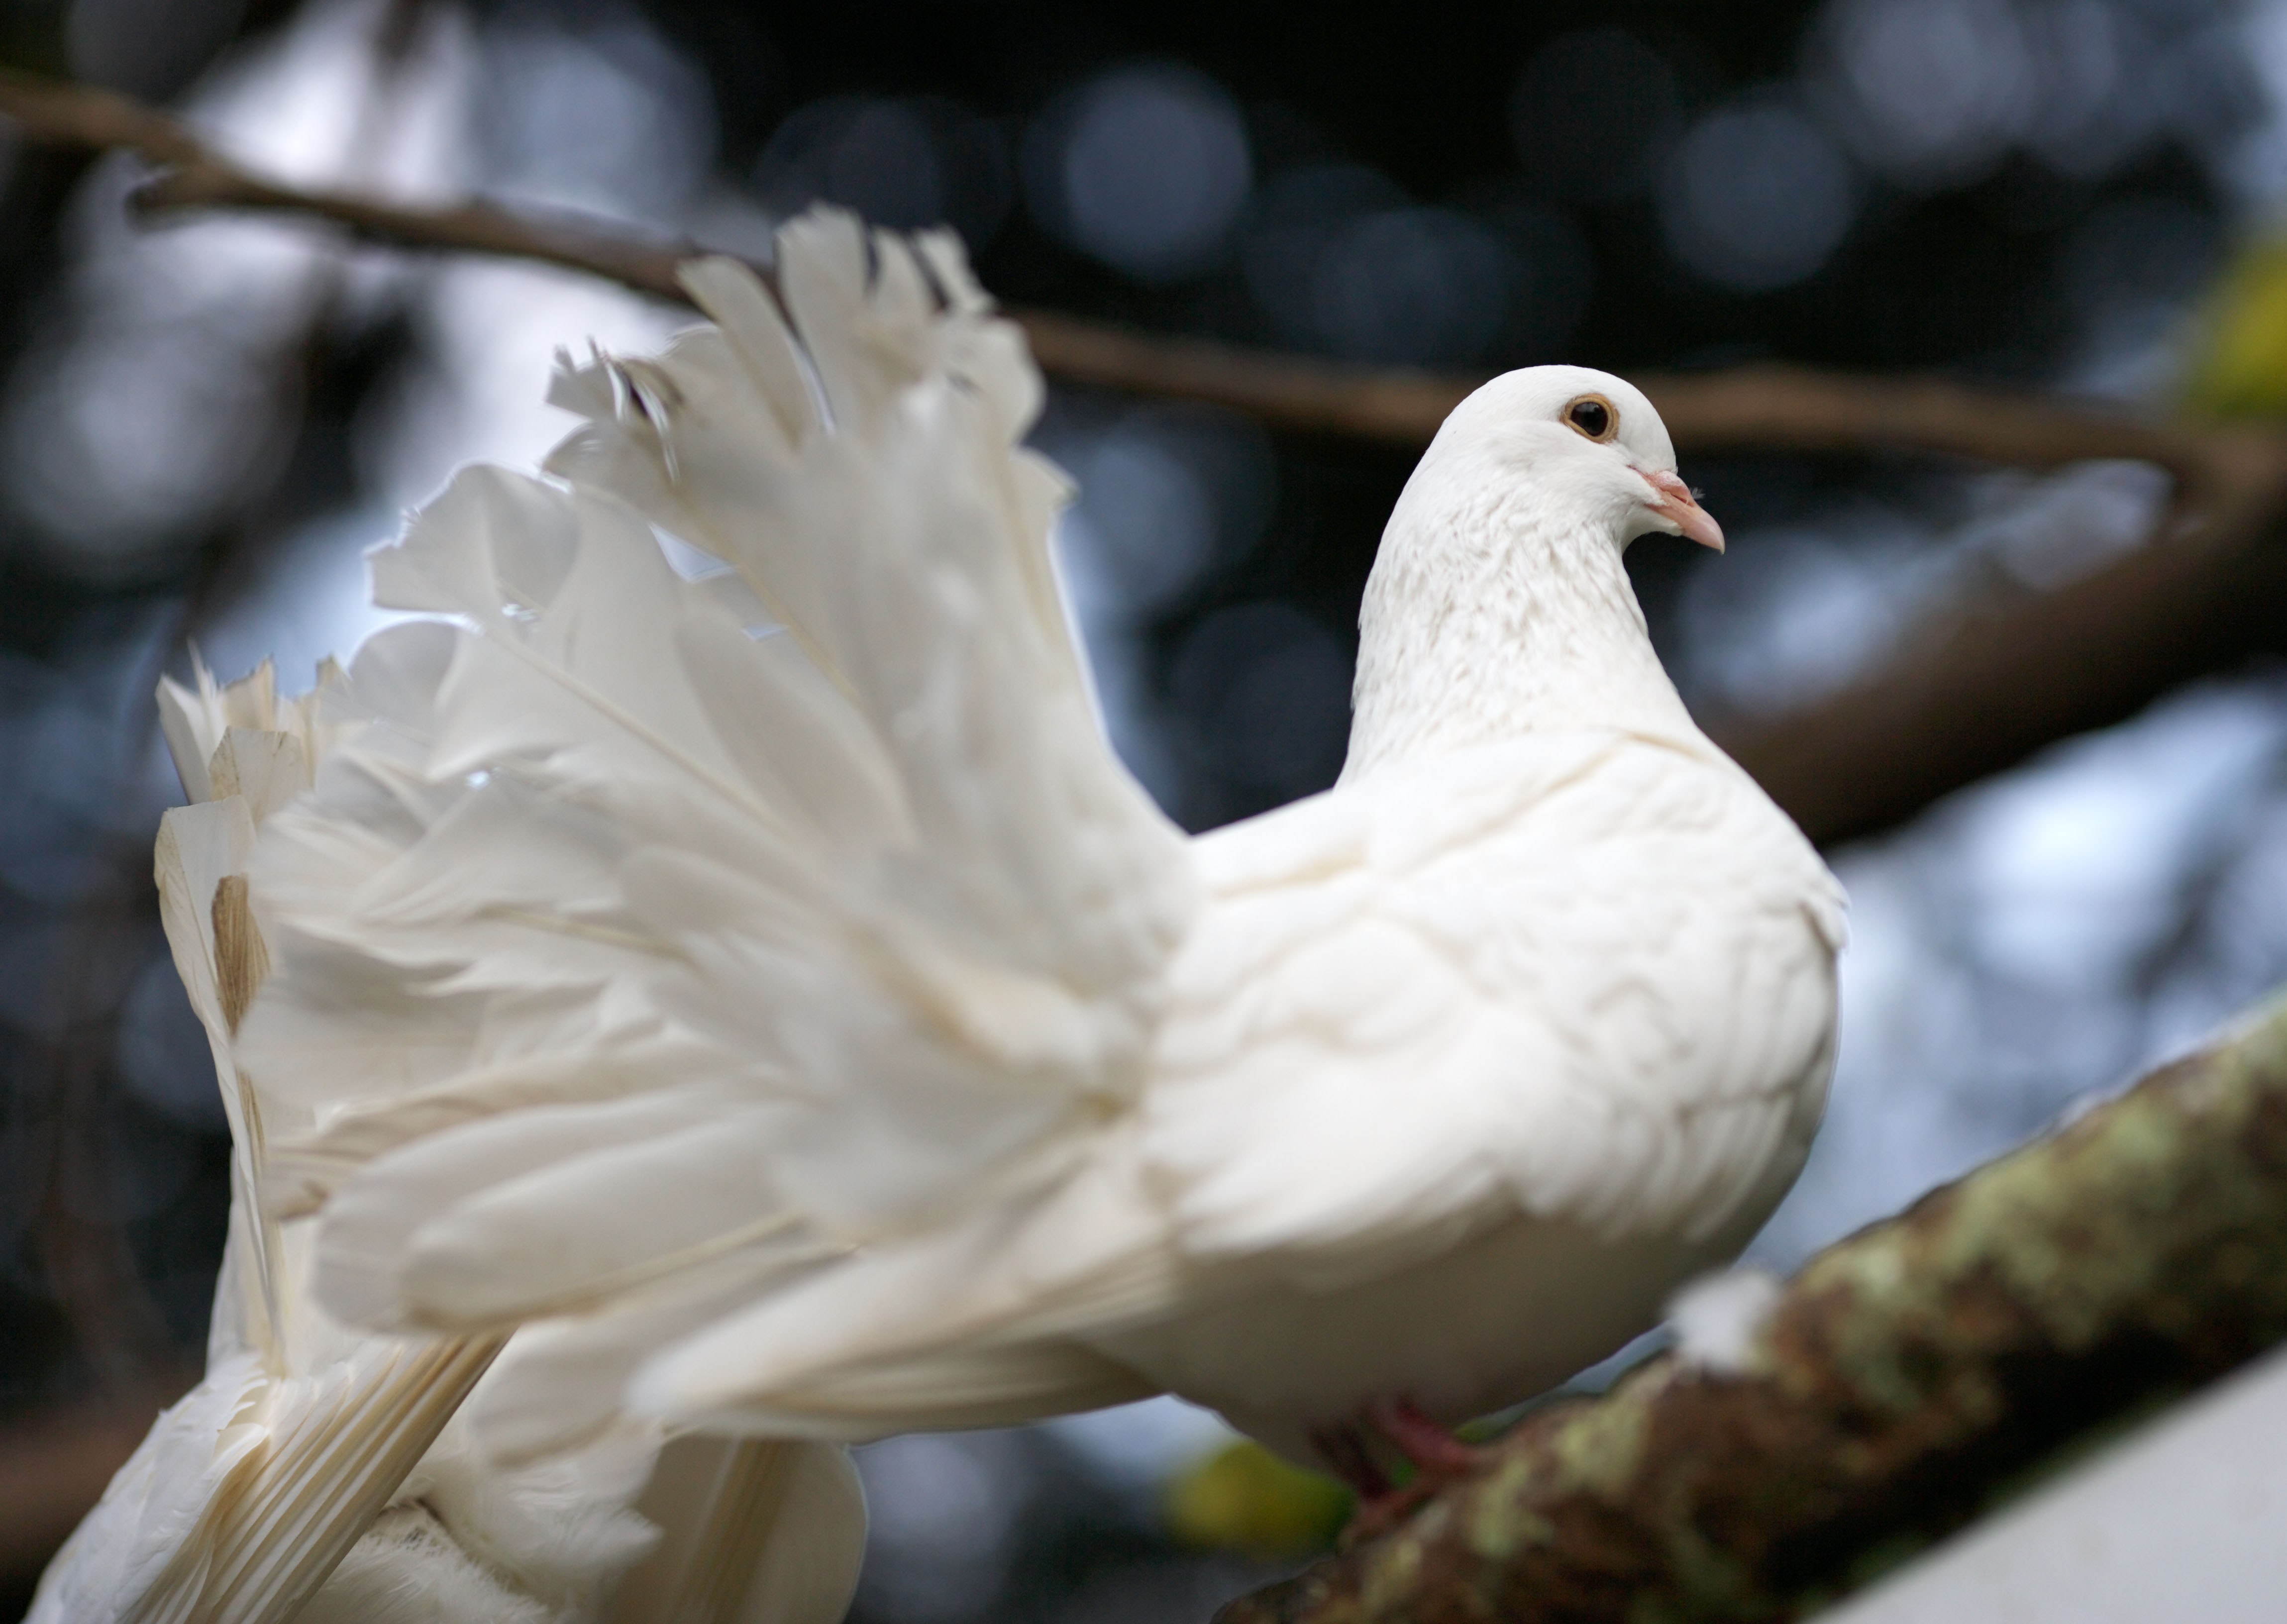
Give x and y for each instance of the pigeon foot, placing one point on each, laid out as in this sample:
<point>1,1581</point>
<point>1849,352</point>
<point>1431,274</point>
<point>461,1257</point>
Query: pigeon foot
<point>1439,1459</point>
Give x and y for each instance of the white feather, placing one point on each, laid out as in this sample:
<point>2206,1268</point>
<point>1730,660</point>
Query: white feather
<point>319,1472</point>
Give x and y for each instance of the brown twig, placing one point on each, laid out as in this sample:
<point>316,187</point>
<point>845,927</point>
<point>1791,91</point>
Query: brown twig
<point>1905,1379</point>
<point>1982,686</point>
<point>1749,409</point>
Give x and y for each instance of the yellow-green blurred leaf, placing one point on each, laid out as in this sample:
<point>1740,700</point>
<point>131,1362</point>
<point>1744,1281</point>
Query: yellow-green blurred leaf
<point>1244,1498</point>
<point>2242,367</point>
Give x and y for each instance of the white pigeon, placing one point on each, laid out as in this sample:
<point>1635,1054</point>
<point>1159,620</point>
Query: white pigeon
<point>318,1472</point>
<point>731,952</point>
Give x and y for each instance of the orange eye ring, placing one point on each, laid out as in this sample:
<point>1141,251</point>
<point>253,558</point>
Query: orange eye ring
<point>1592,416</point>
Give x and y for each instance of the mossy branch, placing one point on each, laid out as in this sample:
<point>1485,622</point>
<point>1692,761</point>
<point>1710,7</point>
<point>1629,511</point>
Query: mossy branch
<point>1910,1377</point>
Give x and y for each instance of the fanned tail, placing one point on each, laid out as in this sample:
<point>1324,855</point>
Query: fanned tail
<point>734,878</point>
<point>244,1498</point>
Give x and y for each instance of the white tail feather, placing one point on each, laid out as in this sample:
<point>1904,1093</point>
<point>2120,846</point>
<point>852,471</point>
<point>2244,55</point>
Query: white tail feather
<point>767,940</point>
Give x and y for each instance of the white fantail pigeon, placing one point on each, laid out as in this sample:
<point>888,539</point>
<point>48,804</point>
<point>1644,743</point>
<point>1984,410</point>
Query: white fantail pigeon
<point>724,946</point>
<point>322,1473</point>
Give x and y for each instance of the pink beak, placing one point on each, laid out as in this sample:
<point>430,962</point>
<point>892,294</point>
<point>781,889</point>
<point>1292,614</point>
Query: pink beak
<point>1679,506</point>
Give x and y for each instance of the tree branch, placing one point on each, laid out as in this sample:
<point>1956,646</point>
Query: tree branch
<point>1986,680</point>
<point>1980,686</point>
<point>1907,1377</point>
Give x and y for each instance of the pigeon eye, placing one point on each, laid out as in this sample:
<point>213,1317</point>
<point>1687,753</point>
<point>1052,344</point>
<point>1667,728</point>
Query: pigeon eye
<point>1594,415</point>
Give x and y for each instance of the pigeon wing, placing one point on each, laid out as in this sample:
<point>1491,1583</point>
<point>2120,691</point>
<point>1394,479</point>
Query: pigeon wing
<point>1580,976</point>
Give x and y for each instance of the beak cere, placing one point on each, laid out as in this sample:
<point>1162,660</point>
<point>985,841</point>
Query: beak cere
<point>1681,508</point>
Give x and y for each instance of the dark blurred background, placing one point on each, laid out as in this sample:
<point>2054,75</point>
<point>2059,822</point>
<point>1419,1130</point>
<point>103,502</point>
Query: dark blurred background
<point>202,426</point>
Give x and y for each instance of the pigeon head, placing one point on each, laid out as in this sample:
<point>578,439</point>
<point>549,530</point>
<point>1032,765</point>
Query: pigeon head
<point>1582,440</point>
<point>1498,603</point>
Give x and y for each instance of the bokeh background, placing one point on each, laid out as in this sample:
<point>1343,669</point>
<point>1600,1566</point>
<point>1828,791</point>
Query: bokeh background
<point>204,425</point>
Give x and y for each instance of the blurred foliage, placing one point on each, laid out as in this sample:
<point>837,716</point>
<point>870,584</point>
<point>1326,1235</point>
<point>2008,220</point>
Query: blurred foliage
<point>1246,1499</point>
<point>2240,367</point>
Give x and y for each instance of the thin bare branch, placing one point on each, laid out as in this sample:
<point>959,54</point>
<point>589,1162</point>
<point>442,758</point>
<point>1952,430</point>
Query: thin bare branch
<point>1749,409</point>
<point>1978,688</point>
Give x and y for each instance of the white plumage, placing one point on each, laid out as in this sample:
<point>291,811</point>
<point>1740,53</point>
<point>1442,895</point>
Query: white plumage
<point>752,975</point>
<point>769,981</point>
<point>319,1472</point>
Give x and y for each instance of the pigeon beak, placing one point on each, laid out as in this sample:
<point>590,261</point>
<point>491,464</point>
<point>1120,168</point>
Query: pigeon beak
<point>1681,509</point>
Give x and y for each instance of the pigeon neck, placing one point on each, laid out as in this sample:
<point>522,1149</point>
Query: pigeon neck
<point>1479,627</point>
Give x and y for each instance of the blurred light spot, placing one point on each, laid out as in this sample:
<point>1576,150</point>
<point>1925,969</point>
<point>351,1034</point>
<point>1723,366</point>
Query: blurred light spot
<point>2257,167</point>
<point>299,103</point>
<point>1793,613</point>
<point>1145,168</point>
<point>1425,286</point>
<point>2090,109</point>
<point>2073,522</point>
<point>312,598</point>
<point>2078,862</point>
<point>1166,492</point>
<point>1287,232</point>
<point>1268,689</point>
<point>608,118</point>
<point>1141,532</point>
<point>146,47</point>
<point>1756,197</point>
<point>163,1051</point>
<point>122,445</point>
<point>942,1511</point>
<point>2219,91</point>
<point>1928,92</point>
<point>151,402</point>
<point>873,155</point>
<point>900,163</point>
<point>1341,261</point>
<point>1593,113</point>
<point>1167,495</point>
<point>490,332</point>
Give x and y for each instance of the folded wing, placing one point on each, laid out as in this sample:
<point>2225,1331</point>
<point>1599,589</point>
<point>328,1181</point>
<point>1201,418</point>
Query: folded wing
<point>1579,976</point>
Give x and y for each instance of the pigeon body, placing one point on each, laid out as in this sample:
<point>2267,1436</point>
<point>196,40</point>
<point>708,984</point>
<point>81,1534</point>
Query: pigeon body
<point>736,958</point>
<point>1470,1060</point>
<point>322,1474</point>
